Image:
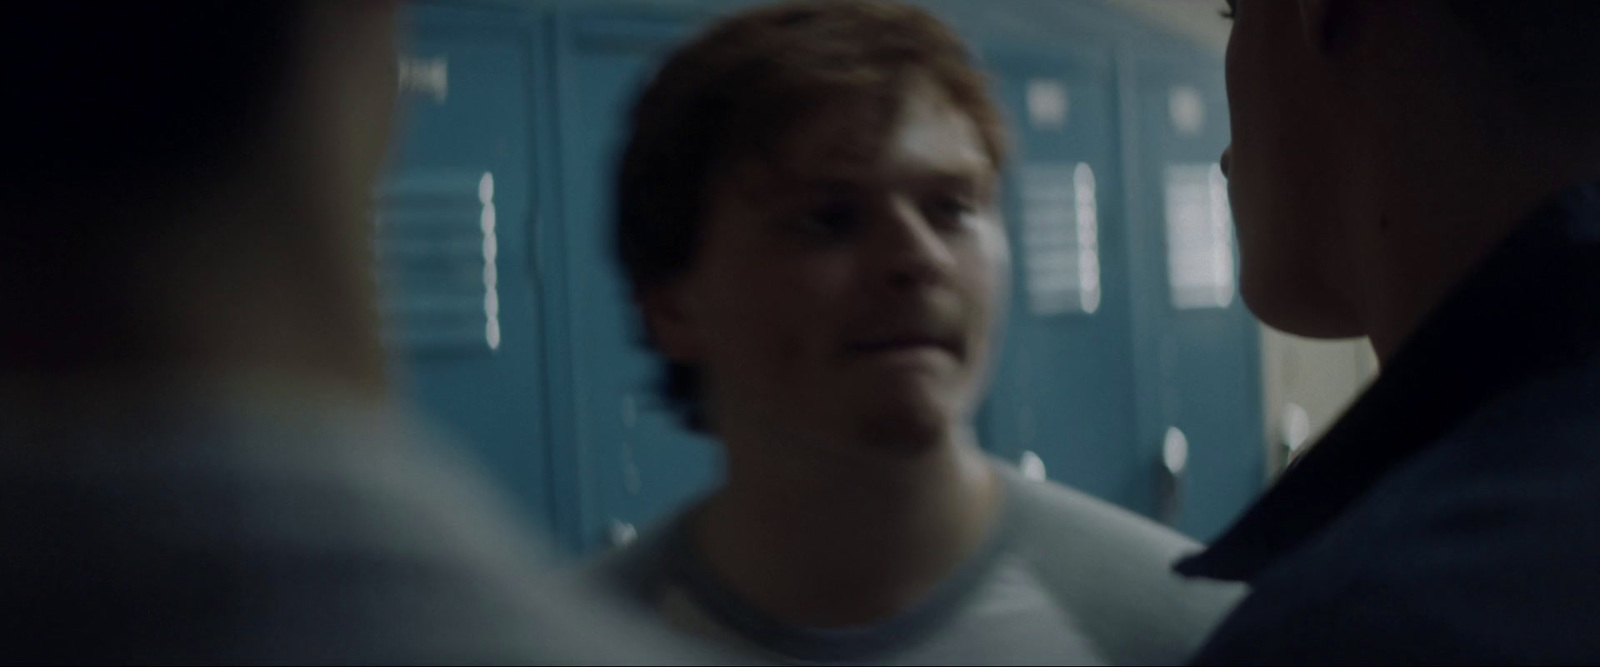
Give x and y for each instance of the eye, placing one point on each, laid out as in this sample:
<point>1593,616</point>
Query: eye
<point>832,219</point>
<point>949,212</point>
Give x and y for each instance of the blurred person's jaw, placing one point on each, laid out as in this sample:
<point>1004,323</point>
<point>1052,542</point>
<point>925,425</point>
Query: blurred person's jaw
<point>338,132</point>
<point>282,293</point>
<point>1378,152</point>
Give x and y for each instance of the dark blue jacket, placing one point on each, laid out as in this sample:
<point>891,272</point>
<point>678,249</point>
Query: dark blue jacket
<point>1453,514</point>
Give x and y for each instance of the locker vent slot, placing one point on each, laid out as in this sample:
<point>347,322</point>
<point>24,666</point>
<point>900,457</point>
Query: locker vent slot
<point>1061,238</point>
<point>1200,261</point>
<point>436,253</point>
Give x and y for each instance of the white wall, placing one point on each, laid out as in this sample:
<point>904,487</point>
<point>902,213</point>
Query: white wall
<point>1322,377</point>
<point>1197,20</point>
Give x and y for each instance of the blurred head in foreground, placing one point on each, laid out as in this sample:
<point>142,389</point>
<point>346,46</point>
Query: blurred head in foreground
<point>185,226</point>
<point>188,197</point>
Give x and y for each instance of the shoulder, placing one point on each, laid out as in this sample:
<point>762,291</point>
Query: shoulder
<point>1363,623</point>
<point>328,543</point>
<point>1113,569</point>
<point>636,572</point>
<point>1058,516</point>
<point>1480,548</point>
<point>1370,594</point>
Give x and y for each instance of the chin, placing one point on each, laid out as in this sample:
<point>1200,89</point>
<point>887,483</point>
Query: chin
<point>909,428</point>
<point>1288,305</point>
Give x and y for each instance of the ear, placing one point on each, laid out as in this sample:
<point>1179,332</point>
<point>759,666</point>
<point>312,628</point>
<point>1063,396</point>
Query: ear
<point>669,318</point>
<point>1319,22</point>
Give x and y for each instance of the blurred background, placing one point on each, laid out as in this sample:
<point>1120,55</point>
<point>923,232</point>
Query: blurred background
<point>1130,368</point>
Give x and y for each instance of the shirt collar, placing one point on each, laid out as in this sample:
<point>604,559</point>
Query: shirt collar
<point>1530,307</point>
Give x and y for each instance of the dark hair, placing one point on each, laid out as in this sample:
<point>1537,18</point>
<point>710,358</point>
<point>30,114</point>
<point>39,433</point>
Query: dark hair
<point>735,91</point>
<point>127,99</point>
<point>1549,45</point>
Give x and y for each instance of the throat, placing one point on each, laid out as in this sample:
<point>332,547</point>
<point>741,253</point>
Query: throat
<point>853,548</point>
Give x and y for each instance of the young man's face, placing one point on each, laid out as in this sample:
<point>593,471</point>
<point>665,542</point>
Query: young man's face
<point>846,292</point>
<point>1287,171</point>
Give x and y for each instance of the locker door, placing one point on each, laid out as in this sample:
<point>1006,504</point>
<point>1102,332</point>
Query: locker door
<point>1202,392</point>
<point>1064,388</point>
<point>460,296</point>
<point>638,464</point>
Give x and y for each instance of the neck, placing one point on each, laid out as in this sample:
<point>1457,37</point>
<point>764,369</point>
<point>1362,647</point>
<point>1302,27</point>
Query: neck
<point>1440,223</point>
<point>242,293</point>
<point>831,540</point>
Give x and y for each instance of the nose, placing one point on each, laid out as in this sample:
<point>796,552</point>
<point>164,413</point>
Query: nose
<point>910,252</point>
<point>1227,159</point>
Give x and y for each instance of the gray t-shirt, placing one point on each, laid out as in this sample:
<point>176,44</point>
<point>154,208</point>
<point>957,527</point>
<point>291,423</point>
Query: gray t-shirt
<point>210,530</point>
<point>1062,578</point>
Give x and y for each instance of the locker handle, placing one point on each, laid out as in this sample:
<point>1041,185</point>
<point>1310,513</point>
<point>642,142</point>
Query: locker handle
<point>1296,430</point>
<point>621,534</point>
<point>1032,466</point>
<point>1173,466</point>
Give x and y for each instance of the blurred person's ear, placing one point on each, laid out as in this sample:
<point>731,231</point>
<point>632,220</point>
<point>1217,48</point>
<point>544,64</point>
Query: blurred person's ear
<point>670,321</point>
<point>351,59</point>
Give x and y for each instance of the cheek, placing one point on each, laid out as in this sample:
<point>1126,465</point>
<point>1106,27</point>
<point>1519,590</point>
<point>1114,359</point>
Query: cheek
<point>774,313</point>
<point>998,255</point>
<point>986,278</point>
<point>1280,111</point>
<point>1265,160</point>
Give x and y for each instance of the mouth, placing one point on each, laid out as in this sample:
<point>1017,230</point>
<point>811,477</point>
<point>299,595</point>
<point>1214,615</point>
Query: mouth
<point>905,345</point>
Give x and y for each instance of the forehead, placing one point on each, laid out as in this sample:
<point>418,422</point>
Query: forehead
<point>862,139</point>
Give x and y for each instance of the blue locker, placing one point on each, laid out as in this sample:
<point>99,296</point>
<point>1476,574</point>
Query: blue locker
<point>1064,388</point>
<point>637,464</point>
<point>1198,344</point>
<point>521,110</point>
<point>460,294</point>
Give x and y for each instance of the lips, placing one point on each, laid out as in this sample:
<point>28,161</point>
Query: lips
<point>904,342</point>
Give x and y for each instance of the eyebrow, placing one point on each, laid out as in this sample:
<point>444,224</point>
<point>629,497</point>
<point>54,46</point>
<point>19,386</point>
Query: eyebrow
<point>984,180</point>
<point>974,174</point>
<point>844,178</point>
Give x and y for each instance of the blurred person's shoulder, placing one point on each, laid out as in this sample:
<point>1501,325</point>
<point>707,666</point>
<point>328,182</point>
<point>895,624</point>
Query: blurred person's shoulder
<point>248,528</point>
<point>1112,569</point>
<point>636,570</point>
